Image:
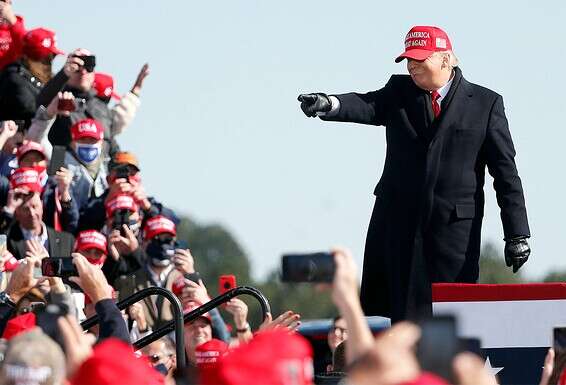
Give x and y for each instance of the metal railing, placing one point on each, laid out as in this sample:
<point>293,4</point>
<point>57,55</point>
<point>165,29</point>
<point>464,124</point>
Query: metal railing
<point>179,319</point>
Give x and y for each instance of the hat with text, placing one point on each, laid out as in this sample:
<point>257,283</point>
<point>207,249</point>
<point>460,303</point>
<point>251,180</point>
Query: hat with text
<point>158,225</point>
<point>120,202</point>
<point>90,239</point>
<point>423,41</point>
<point>87,128</point>
<point>26,178</point>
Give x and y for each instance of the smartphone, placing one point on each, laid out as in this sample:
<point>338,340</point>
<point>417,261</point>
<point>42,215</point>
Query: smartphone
<point>57,160</point>
<point>66,105</point>
<point>58,267</point>
<point>226,283</point>
<point>89,62</point>
<point>195,277</point>
<point>472,345</point>
<point>315,267</point>
<point>438,345</point>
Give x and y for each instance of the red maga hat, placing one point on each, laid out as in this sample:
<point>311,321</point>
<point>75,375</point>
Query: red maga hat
<point>119,202</point>
<point>159,224</point>
<point>113,362</point>
<point>26,178</point>
<point>209,354</point>
<point>30,145</point>
<point>87,128</point>
<point>39,43</point>
<point>423,41</point>
<point>104,86</point>
<point>272,357</point>
<point>91,239</point>
<point>19,324</point>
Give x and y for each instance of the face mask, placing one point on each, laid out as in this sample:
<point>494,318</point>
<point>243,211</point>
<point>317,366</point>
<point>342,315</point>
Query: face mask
<point>88,153</point>
<point>160,252</point>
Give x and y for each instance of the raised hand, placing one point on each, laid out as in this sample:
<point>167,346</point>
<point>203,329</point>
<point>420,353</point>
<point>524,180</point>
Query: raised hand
<point>312,104</point>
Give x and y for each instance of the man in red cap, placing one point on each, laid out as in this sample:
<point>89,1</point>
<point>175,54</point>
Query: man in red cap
<point>22,80</point>
<point>86,162</point>
<point>93,246</point>
<point>442,131</point>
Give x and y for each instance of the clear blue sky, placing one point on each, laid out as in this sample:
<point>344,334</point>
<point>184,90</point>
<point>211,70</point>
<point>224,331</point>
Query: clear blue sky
<point>221,136</point>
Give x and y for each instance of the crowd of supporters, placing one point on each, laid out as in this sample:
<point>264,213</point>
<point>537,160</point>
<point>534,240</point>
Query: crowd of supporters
<point>68,189</point>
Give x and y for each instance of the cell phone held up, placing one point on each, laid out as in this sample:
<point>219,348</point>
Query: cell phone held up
<point>314,267</point>
<point>61,267</point>
<point>89,62</point>
<point>438,345</point>
<point>226,283</point>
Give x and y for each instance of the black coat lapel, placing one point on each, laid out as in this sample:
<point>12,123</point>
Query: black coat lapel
<point>454,103</point>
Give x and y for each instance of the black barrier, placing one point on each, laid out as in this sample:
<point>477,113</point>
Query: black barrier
<point>215,302</point>
<point>177,321</point>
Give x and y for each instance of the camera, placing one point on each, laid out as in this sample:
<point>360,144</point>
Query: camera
<point>314,267</point>
<point>89,62</point>
<point>121,217</point>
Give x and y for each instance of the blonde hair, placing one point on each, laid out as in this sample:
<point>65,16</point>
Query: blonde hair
<point>452,58</point>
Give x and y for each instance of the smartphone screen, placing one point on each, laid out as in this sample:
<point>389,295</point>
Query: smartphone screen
<point>314,267</point>
<point>438,346</point>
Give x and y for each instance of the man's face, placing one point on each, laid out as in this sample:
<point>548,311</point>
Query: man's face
<point>196,333</point>
<point>32,159</point>
<point>428,74</point>
<point>82,80</point>
<point>92,253</point>
<point>30,213</point>
<point>157,353</point>
<point>337,333</point>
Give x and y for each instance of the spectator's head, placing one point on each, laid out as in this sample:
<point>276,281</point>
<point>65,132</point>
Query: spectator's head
<point>82,79</point>
<point>26,186</point>
<point>124,165</point>
<point>272,357</point>
<point>86,140</point>
<point>104,87</point>
<point>429,55</point>
<point>33,358</point>
<point>38,51</point>
<point>92,245</point>
<point>197,332</point>
<point>162,353</point>
<point>160,240</point>
<point>122,209</point>
<point>113,362</point>
<point>338,332</point>
<point>31,154</point>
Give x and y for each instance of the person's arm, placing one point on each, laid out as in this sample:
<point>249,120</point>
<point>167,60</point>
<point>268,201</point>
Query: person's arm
<point>500,154</point>
<point>93,283</point>
<point>219,329</point>
<point>8,129</point>
<point>124,112</point>
<point>346,298</point>
<point>59,293</point>
<point>52,88</point>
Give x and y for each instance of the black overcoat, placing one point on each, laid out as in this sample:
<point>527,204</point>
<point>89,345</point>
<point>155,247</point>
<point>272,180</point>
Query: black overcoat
<point>426,222</point>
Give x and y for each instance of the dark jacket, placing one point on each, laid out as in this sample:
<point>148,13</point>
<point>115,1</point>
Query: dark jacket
<point>60,244</point>
<point>18,91</point>
<point>426,223</point>
<point>60,132</point>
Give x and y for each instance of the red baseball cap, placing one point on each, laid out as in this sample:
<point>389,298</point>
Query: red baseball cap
<point>91,239</point>
<point>26,178</point>
<point>423,41</point>
<point>119,202</point>
<point>273,357</point>
<point>19,324</point>
<point>209,354</point>
<point>104,86</point>
<point>113,362</point>
<point>40,43</point>
<point>30,145</point>
<point>87,128</point>
<point>159,225</point>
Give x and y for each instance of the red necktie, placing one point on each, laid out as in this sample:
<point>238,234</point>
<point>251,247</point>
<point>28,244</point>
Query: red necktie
<point>435,106</point>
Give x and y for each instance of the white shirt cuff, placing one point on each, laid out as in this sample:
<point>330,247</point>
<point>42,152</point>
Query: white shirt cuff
<point>335,103</point>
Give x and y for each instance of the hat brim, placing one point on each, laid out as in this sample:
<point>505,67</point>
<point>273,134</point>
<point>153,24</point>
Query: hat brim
<point>88,246</point>
<point>416,54</point>
<point>57,51</point>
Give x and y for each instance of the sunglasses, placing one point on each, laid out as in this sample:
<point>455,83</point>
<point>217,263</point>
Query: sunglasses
<point>155,358</point>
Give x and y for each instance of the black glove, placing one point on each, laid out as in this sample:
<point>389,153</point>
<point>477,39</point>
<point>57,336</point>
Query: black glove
<point>313,103</point>
<point>517,252</point>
